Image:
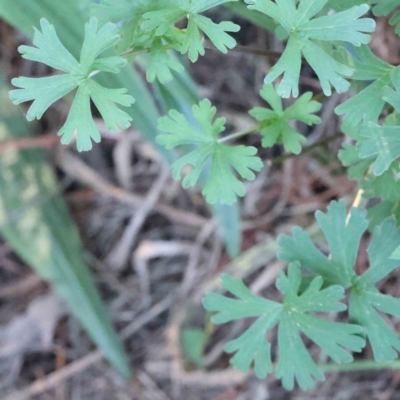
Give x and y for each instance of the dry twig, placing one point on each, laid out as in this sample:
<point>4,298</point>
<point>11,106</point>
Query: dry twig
<point>76,168</point>
<point>119,255</point>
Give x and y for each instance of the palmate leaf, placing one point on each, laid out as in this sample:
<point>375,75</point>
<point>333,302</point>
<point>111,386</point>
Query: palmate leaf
<point>275,124</point>
<point>304,28</point>
<point>368,104</point>
<point>222,185</point>
<point>44,91</point>
<point>162,20</point>
<point>343,236</point>
<point>292,317</point>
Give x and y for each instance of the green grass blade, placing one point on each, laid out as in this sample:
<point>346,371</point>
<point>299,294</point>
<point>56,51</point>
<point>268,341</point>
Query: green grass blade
<point>35,221</point>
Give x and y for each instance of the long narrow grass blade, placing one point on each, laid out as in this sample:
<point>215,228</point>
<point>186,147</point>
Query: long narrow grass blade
<point>35,221</point>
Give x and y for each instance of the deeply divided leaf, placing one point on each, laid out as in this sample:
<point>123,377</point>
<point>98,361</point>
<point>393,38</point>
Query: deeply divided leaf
<point>78,75</point>
<point>276,124</point>
<point>306,28</point>
<point>206,153</point>
<point>293,316</point>
<point>150,28</point>
<point>343,236</point>
<point>161,21</point>
<point>368,104</point>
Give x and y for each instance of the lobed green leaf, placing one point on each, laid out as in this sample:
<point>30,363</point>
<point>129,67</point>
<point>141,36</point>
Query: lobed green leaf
<point>275,124</point>
<point>222,184</point>
<point>162,21</point>
<point>305,27</point>
<point>292,317</point>
<point>343,234</point>
<point>368,104</point>
<point>78,75</point>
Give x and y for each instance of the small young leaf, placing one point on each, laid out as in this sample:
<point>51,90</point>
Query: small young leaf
<point>136,41</point>
<point>45,91</point>
<point>161,63</point>
<point>161,21</point>
<point>149,27</point>
<point>222,185</point>
<point>275,124</point>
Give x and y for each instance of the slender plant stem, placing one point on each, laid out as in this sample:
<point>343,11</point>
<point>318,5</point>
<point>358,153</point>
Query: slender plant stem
<point>208,45</point>
<point>306,149</point>
<point>276,55</point>
<point>359,366</point>
<point>247,50</point>
<point>319,97</point>
<point>239,134</point>
<point>133,53</point>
